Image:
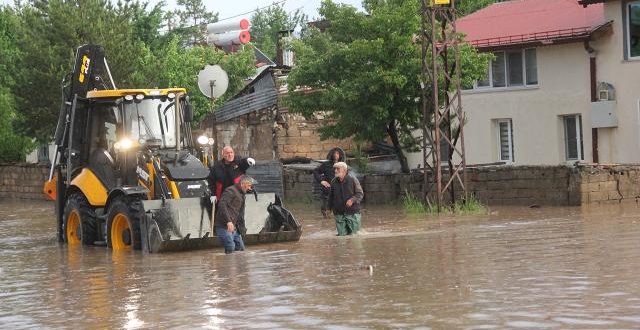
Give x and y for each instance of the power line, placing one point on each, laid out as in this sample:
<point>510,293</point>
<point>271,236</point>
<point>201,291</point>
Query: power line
<point>252,11</point>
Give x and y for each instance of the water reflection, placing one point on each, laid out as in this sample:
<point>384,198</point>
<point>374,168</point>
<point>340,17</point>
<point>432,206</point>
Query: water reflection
<point>563,268</point>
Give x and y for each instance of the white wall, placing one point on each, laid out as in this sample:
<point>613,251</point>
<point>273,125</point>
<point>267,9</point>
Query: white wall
<point>538,131</point>
<point>33,156</point>
<point>621,144</point>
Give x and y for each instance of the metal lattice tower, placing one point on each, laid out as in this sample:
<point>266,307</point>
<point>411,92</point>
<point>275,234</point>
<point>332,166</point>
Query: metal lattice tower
<point>443,118</point>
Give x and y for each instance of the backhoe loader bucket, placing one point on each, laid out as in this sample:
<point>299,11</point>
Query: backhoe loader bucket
<point>186,224</point>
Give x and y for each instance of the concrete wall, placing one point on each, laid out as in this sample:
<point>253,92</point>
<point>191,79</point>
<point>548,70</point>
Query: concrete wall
<point>621,144</point>
<point>23,181</point>
<point>538,132</point>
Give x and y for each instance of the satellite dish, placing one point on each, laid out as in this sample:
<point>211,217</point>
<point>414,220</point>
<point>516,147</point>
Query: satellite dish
<point>213,81</point>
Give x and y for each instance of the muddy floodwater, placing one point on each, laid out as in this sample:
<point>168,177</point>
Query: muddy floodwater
<point>561,268</point>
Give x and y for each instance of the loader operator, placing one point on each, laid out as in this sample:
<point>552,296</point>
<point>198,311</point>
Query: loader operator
<point>227,171</point>
<point>229,215</point>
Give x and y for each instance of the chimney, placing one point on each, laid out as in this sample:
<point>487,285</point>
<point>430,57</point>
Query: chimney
<point>284,56</point>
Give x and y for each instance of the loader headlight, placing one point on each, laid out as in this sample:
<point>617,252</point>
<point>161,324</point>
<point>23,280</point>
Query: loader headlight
<point>124,144</point>
<point>203,139</point>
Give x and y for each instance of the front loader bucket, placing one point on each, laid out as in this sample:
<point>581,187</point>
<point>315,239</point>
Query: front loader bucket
<point>176,225</point>
<point>186,224</point>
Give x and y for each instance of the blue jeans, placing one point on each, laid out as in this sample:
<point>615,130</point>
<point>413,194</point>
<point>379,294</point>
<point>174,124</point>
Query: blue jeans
<point>230,241</point>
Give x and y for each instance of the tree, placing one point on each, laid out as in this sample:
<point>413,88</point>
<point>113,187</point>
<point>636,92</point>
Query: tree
<point>266,23</point>
<point>47,33</point>
<point>180,67</point>
<point>466,7</point>
<point>193,17</point>
<point>13,146</point>
<point>365,68</point>
<point>50,33</point>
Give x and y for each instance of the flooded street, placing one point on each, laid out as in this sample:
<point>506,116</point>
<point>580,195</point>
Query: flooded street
<point>562,268</point>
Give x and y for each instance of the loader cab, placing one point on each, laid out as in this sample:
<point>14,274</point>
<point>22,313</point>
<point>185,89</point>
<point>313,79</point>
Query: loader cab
<point>111,128</point>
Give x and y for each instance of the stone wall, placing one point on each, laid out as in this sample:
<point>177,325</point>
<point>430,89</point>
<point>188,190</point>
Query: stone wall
<point>609,184</point>
<point>249,135</point>
<point>501,185</point>
<point>271,134</point>
<point>23,180</point>
<point>299,137</point>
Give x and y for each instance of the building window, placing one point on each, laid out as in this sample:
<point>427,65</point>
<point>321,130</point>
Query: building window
<point>633,29</point>
<point>511,68</point>
<point>573,137</point>
<point>505,140</point>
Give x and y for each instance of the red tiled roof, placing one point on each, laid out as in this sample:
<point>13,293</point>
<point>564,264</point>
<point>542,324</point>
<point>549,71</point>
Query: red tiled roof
<point>519,22</point>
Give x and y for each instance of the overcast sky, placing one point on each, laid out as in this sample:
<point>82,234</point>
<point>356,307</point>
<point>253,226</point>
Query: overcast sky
<point>228,8</point>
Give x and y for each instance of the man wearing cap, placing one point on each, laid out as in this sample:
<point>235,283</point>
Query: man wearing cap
<point>229,214</point>
<point>344,200</point>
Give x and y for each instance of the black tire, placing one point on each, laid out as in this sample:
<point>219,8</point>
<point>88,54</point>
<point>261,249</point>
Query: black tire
<point>86,231</point>
<point>125,212</point>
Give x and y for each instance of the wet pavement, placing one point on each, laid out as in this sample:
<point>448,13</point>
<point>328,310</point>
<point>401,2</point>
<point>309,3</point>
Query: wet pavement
<point>559,268</point>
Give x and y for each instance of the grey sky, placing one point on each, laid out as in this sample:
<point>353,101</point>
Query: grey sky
<point>227,8</point>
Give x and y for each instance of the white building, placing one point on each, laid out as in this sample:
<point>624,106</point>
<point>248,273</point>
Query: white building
<point>552,59</point>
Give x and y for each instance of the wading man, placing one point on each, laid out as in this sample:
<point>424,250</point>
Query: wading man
<point>229,214</point>
<point>344,200</point>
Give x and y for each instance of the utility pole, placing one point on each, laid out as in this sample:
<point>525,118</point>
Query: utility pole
<point>443,118</point>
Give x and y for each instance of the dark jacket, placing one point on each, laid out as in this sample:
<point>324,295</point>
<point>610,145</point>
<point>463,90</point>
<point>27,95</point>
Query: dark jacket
<point>223,175</point>
<point>341,192</point>
<point>230,207</point>
<point>325,172</point>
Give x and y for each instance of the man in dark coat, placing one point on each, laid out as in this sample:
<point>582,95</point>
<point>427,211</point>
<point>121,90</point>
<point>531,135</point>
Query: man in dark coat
<point>324,173</point>
<point>227,171</point>
<point>229,214</point>
<point>344,200</point>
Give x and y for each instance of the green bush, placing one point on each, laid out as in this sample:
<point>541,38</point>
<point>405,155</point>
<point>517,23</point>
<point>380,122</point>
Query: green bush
<point>414,205</point>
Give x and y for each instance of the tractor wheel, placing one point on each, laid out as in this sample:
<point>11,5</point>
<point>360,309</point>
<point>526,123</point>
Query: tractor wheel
<point>123,223</point>
<point>79,224</point>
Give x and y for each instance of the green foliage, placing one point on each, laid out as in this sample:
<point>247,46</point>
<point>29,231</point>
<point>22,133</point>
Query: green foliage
<point>469,206</point>
<point>46,35</point>
<point>360,160</point>
<point>413,205</point>
<point>13,146</point>
<point>190,21</point>
<point>266,23</point>
<point>181,66</point>
<point>466,7</point>
<point>50,33</point>
<point>366,69</point>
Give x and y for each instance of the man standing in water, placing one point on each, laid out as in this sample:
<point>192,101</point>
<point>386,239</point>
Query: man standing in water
<point>227,171</point>
<point>344,200</point>
<point>229,214</point>
<point>324,174</point>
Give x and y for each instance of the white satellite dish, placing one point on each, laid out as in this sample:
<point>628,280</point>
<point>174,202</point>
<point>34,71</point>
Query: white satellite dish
<point>213,81</point>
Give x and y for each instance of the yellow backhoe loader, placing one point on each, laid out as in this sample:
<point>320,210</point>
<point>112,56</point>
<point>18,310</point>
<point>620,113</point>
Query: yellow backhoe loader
<point>125,175</point>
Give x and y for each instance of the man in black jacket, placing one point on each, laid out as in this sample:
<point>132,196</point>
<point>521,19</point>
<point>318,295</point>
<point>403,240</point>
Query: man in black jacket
<point>227,171</point>
<point>324,173</point>
<point>229,214</point>
<point>344,200</point>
